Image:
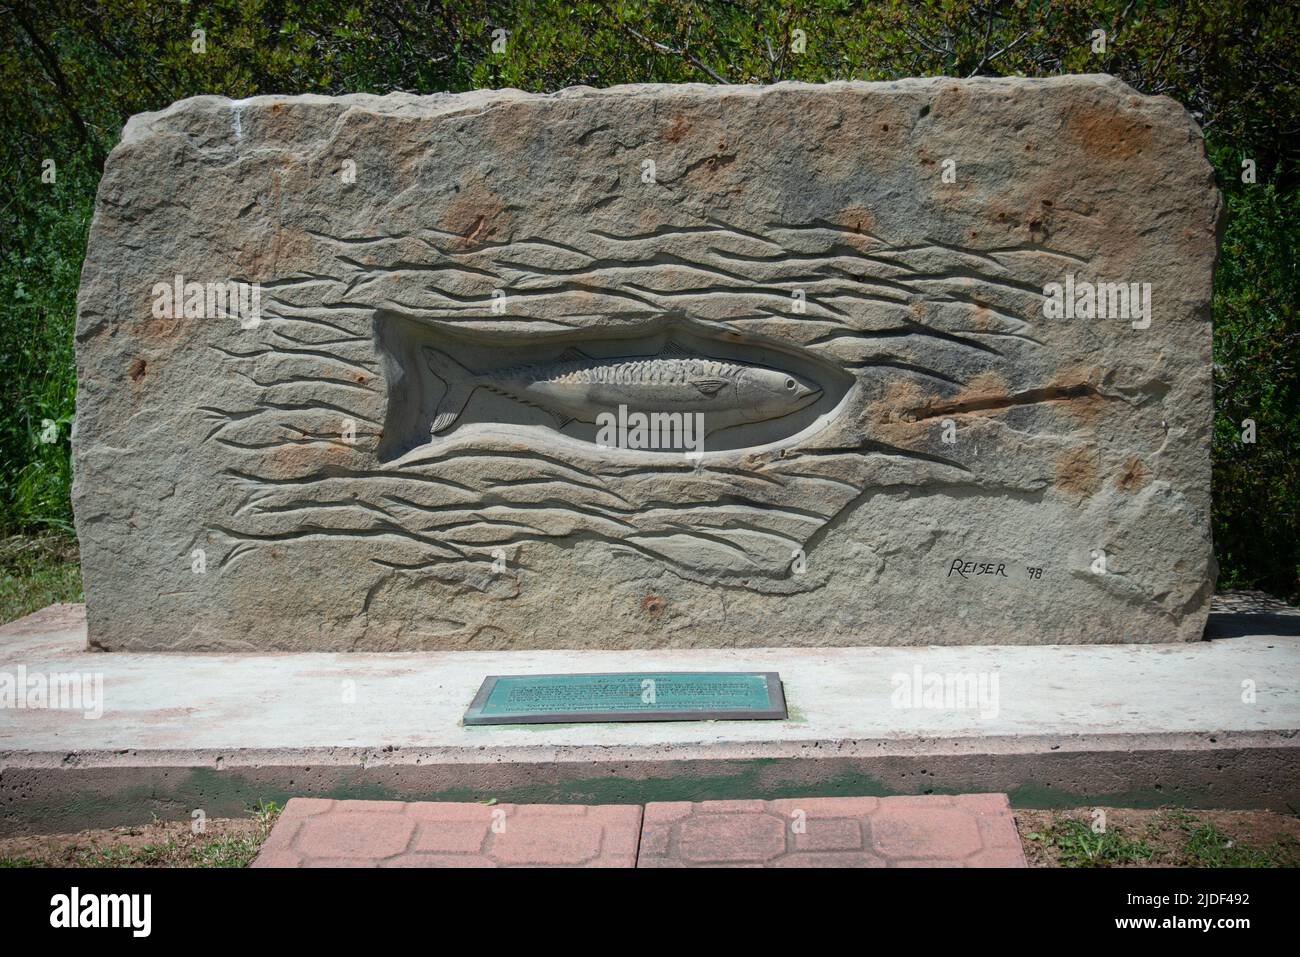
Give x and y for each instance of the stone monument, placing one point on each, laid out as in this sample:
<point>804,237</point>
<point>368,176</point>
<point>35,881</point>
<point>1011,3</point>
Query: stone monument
<point>923,362</point>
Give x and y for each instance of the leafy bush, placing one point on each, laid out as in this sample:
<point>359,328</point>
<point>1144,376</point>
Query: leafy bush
<point>1256,353</point>
<point>72,72</point>
<point>40,267</point>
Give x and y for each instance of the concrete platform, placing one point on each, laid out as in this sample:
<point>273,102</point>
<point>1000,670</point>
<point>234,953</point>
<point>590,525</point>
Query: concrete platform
<point>1140,725</point>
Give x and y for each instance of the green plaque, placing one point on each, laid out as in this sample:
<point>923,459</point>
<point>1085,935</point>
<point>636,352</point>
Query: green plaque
<point>630,696</point>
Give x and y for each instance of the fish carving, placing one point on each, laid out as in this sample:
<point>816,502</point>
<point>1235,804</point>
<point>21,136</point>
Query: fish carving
<point>579,387</point>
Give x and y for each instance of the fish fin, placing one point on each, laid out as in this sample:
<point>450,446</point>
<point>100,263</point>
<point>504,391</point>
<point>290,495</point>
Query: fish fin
<point>676,350</point>
<point>460,383</point>
<point>446,418</point>
<point>709,386</point>
<point>562,420</point>
<point>573,354</point>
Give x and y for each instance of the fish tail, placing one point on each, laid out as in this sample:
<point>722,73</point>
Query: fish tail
<point>459,382</point>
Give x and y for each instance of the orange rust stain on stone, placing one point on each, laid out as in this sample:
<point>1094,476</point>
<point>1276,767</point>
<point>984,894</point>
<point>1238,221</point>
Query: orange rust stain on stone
<point>1132,476</point>
<point>858,219</point>
<point>291,460</point>
<point>986,388</point>
<point>653,606</point>
<point>476,215</point>
<point>884,133</point>
<point>1101,132</point>
<point>295,249</point>
<point>478,230</point>
<point>1085,409</point>
<point>719,160</point>
<point>340,451</point>
<point>162,330</point>
<point>1077,472</point>
<point>891,416</point>
<point>982,318</point>
<point>1005,218</point>
<point>986,385</point>
<point>677,132</point>
<point>950,101</point>
<point>900,396</point>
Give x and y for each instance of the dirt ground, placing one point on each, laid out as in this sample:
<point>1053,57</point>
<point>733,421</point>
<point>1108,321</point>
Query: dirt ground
<point>1125,837</point>
<point>223,842</point>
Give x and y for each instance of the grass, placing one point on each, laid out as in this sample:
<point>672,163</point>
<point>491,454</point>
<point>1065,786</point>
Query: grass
<point>1077,845</point>
<point>223,851</point>
<point>1164,838</point>
<point>223,843</point>
<point>36,571</point>
<point>1207,846</point>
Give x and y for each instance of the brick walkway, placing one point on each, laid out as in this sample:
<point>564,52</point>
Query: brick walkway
<point>970,830</point>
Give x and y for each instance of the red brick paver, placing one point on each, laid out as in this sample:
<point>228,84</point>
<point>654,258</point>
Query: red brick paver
<point>971,830</point>
<point>318,833</point>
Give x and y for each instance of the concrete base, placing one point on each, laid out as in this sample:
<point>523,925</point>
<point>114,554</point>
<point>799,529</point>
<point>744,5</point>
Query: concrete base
<point>1138,725</point>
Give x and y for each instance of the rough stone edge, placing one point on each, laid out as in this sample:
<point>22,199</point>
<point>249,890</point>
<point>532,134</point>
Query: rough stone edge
<point>443,106</point>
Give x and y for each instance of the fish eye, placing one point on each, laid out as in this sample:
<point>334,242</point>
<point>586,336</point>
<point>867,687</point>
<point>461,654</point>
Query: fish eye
<point>789,383</point>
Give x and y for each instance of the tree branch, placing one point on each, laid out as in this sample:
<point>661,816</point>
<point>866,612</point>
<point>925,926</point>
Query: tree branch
<point>684,53</point>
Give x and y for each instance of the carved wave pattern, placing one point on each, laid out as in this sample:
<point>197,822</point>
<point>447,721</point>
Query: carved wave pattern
<point>928,311</point>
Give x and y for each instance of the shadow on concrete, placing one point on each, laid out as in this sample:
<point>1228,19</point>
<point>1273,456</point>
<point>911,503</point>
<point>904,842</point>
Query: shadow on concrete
<point>1237,613</point>
<point>1241,623</point>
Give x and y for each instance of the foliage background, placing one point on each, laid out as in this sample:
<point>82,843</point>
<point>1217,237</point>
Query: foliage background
<point>71,73</point>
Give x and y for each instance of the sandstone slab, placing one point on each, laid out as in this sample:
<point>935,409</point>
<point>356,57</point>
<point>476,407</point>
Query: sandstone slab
<point>387,433</point>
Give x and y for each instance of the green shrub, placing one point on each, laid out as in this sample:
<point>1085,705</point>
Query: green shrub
<point>1257,378</point>
<point>40,267</point>
<point>71,73</point>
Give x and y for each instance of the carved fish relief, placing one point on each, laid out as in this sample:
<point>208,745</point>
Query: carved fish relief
<point>579,387</point>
